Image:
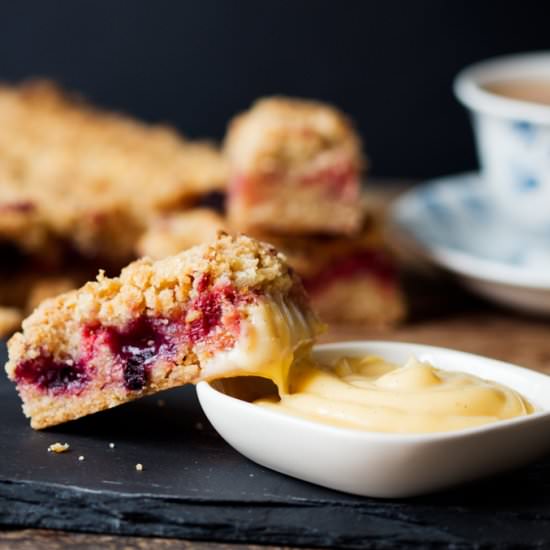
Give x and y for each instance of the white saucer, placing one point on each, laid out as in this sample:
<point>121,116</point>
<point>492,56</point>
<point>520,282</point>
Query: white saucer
<point>453,223</point>
<point>381,464</point>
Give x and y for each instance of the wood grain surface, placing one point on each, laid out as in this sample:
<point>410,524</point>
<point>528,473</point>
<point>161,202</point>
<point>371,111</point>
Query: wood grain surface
<point>497,334</point>
<point>30,539</point>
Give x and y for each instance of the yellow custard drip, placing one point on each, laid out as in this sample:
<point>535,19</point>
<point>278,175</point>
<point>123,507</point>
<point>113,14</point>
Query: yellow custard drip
<point>371,394</point>
<point>276,333</point>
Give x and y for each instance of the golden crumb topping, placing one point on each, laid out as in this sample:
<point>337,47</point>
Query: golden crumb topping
<point>84,173</point>
<point>162,288</point>
<point>58,447</point>
<point>280,131</point>
<point>177,231</point>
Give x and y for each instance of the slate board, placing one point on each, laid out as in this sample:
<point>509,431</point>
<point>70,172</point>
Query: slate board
<point>195,486</point>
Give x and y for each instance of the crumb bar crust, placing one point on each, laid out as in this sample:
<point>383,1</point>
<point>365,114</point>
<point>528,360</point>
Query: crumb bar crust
<point>349,279</point>
<point>88,176</point>
<point>154,327</point>
<point>174,232</point>
<point>295,168</point>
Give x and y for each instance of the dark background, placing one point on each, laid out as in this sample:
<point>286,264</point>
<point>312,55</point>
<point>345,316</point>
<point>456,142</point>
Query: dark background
<point>388,63</point>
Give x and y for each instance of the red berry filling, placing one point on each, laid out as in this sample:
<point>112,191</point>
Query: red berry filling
<point>23,207</point>
<point>248,189</point>
<point>211,309</point>
<point>50,375</point>
<point>375,262</point>
<point>340,180</point>
<point>139,344</point>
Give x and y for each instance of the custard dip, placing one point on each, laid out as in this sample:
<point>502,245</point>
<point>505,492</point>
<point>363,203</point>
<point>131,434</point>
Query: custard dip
<point>368,393</point>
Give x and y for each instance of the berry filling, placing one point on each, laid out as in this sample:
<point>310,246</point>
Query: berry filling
<point>137,346</point>
<point>23,207</point>
<point>374,262</point>
<point>208,314</point>
<point>210,309</point>
<point>248,189</point>
<point>340,180</point>
<point>49,375</point>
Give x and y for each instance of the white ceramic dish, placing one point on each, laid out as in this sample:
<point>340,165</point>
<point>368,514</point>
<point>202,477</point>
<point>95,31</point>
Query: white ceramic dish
<point>381,464</point>
<point>453,223</point>
<point>513,137</point>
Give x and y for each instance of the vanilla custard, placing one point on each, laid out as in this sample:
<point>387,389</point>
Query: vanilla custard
<point>365,393</point>
<point>276,333</point>
<point>368,393</point>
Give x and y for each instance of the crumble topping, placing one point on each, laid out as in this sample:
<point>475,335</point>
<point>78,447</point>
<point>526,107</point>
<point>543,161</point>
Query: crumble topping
<point>58,447</point>
<point>117,339</point>
<point>159,289</point>
<point>69,169</point>
<point>279,132</point>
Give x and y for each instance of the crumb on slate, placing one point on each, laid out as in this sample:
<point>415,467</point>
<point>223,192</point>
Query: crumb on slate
<point>111,445</point>
<point>199,426</point>
<point>81,458</point>
<point>58,447</point>
<point>139,467</point>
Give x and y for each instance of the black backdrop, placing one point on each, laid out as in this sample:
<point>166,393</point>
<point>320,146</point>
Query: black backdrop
<point>388,63</point>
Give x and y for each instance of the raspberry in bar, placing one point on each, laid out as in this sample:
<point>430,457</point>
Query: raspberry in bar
<point>228,308</point>
<point>349,279</point>
<point>295,169</point>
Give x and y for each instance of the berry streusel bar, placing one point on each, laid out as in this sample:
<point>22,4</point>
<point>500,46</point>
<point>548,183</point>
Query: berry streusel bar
<point>230,307</point>
<point>90,177</point>
<point>295,168</point>
<point>349,279</point>
<point>174,232</point>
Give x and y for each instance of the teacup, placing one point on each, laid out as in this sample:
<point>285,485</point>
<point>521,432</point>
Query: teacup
<point>511,118</point>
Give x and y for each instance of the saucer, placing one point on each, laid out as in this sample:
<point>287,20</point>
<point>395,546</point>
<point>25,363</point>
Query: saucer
<point>380,464</point>
<point>453,223</point>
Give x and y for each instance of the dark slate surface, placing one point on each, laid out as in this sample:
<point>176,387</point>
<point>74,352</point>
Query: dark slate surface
<point>194,486</point>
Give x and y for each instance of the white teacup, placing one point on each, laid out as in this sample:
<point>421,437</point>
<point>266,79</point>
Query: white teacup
<point>513,136</point>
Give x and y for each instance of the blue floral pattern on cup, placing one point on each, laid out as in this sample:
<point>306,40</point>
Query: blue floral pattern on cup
<point>515,163</point>
<point>524,130</point>
<point>526,182</point>
<point>458,213</point>
<point>512,136</point>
